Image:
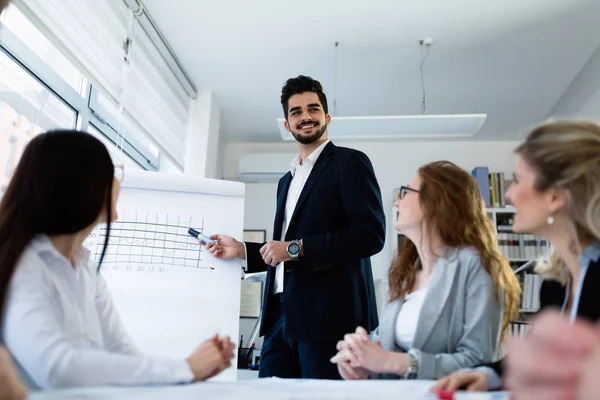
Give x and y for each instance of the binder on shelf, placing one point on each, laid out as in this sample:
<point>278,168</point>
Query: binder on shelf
<point>502,189</point>
<point>493,191</point>
<point>481,175</point>
<point>498,202</point>
<point>492,185</point>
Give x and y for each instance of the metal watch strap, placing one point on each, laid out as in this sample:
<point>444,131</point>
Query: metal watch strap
<point>413,367</point>
<point>296,256</point>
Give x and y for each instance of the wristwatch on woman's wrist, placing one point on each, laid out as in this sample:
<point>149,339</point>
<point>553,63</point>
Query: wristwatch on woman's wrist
<point>413,366</point>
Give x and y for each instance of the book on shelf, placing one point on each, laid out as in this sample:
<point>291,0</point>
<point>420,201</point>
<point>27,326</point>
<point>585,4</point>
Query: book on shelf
<point>481,175</point>
<point>518,328</point>
<point>521,246</point>
<point>530,298</point>
<point>492,186</point>
<point>517,246</point>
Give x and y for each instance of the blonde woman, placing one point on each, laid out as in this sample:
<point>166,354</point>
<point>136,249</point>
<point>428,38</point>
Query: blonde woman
<point>556,194</point>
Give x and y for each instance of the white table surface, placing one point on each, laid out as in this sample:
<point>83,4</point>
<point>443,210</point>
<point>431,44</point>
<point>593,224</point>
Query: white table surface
<point>270,389</point>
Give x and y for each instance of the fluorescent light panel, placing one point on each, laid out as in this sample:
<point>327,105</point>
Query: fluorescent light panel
<point>400,127</point>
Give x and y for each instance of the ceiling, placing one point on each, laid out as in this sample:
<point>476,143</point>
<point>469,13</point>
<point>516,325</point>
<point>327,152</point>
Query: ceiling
<point>511,59</point>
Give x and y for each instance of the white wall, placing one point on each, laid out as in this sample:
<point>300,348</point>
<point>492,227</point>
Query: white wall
<point>395,164</point>
<point>582,97</point>
<point>203,137</point>
<point>212,151</point>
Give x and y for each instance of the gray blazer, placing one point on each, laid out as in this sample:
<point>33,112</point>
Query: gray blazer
<point>460,323</point>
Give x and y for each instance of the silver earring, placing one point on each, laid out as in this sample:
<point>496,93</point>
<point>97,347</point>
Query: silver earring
<point>550,220</point>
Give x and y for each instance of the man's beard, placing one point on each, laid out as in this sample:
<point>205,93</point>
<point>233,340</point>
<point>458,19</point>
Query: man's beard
<point>312,138</point>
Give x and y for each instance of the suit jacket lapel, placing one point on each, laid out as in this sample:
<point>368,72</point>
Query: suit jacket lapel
<point>281,199</point>
<point>435,300</point>
<point>589,306</point>
<point>313,178</point>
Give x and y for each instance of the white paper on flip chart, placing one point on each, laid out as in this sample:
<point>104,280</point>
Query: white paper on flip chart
<point>169,291</point>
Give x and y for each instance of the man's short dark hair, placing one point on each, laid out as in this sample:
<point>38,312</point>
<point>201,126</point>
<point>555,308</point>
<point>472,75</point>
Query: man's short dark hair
<point>299,85</point>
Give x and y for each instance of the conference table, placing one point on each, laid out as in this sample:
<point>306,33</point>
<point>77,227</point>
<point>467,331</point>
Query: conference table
<point>270,389</point>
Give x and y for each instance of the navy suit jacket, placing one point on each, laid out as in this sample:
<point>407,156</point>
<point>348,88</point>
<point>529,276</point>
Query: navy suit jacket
<point>339,217</point>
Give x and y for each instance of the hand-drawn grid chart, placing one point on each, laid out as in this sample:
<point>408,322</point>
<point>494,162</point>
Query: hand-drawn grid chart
<point>149,239</point>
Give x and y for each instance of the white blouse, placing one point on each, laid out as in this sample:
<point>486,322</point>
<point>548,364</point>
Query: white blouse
<point>406,323</point>
<point>63,330</point>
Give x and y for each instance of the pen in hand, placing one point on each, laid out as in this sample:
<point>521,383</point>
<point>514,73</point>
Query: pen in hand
<point>200,236</point>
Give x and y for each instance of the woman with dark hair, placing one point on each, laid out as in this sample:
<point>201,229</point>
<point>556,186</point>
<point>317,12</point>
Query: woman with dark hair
<point>11,387</point>
<point>452,294</point>
<point>59,321</point>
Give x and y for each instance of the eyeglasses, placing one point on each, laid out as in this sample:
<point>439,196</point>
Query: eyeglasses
<point>119,172</point>
<point>405,189</point>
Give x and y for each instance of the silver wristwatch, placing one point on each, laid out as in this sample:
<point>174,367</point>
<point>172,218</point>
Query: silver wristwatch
<point>293,249</point>
<point>413,367</point>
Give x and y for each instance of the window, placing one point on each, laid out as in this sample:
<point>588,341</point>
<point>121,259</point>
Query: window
<point>105,107</point>
<point>14,20</point>
<point>27,108</point>
<point>117,156</point>
<point>40,89</point>
<point>31,99</point>
<point>117,47</point>
<point>121,131</point>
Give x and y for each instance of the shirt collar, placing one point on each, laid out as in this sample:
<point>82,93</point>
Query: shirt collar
<point>310,160</point>
<point>42,244</point>
<point>591,253</point>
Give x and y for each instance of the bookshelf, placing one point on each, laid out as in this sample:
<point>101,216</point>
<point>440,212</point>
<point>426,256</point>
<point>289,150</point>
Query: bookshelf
<point>521,250</point>
<point>518,249</point>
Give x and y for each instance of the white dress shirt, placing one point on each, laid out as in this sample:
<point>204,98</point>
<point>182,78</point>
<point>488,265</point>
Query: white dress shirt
<point>406,323</point>
<point>300,172</point>
<point>63,330</point>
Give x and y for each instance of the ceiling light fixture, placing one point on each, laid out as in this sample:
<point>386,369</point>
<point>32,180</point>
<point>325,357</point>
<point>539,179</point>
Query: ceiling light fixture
<point>423,126</point>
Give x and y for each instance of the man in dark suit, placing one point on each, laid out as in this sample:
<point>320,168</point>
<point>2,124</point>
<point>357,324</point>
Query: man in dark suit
<point>329,221</point>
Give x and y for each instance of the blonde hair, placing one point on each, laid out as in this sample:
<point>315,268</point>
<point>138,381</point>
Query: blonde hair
<point>566,154</point>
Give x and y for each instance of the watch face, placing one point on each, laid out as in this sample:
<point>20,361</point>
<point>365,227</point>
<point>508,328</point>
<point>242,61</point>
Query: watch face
<point>294,248</point>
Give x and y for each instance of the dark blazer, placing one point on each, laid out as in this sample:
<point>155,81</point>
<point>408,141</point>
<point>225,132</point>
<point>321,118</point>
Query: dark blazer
<point>339,217</point>
<point>552,294</point>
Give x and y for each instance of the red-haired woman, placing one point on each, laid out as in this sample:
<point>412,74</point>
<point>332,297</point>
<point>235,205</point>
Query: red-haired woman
<point>452,294</point>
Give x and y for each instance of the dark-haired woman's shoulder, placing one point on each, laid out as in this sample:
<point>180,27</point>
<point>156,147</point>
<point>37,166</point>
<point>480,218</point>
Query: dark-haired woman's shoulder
<point>33,263</point>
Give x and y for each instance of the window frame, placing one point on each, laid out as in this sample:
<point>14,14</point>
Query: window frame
<point>87,109</point>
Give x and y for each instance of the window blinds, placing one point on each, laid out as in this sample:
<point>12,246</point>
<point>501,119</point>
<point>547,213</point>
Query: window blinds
<point>92,35</point>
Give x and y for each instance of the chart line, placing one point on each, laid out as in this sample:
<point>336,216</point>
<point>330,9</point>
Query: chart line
<point>143,238</point>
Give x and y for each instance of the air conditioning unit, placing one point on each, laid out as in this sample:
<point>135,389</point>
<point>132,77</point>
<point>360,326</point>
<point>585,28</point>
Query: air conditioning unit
<point>264,167</point>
